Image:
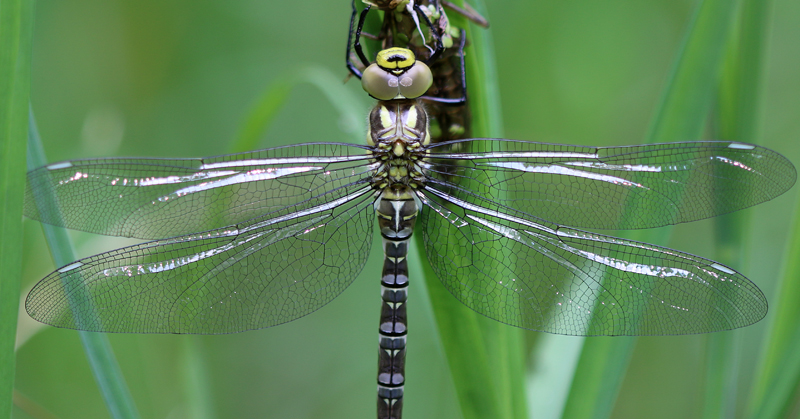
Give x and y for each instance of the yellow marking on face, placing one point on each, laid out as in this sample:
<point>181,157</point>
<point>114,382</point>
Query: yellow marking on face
<point>395,58</point>
<point>386,117</point>
<point>411,118</point>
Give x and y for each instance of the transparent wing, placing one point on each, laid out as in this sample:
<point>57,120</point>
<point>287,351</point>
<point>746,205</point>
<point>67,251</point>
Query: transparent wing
<point>257,274</point>
<point>614,187</point>
<point>159,198</point>
<point>541,276</point>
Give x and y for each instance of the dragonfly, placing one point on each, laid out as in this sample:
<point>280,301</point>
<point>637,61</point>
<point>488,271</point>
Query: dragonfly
<point>252,240</point>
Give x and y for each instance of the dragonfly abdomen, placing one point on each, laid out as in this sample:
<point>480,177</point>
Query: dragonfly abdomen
<point>397,212</point>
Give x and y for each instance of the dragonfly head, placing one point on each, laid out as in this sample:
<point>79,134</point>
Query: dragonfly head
<point>396,74</point>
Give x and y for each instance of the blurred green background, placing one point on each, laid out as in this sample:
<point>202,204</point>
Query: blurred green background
<point>172,78</point>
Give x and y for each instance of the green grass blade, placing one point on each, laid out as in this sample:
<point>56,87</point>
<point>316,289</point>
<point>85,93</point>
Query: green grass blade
<point>197,380</point>
<point>680,116</point>
<point>485,104</point>
<point>775,394</point>
<point>722,372</point>
<point>16,25</point>
<point>274,97</point>
<point>597,378</point>
<point>778,380</point>
<point>482,83</point>
<point>550,375</point>
<point>349,106</point>
<point>778,375</point>
<point>486,358</point>
<point>96,345</point>
<point>261,115</point>
<point>686,102</point>
<point>737,116</point>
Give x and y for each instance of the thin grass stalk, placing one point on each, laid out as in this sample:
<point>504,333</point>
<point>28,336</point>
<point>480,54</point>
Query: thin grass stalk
<point>96,345</point>
<point>737,119</point>
<point>197,382</point>
<point>680,116</point>
<point>16,25</point>
<point>777,383</point>
<point>778,375</point>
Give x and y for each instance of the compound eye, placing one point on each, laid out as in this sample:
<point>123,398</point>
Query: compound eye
<point>385,85</point>
<point>415,81</point>
<point>379,83</point>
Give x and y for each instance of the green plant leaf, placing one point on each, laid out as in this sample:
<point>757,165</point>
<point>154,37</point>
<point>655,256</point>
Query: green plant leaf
<point>737,116</point>
<point>16,25</point>
<point>493,385</point>
<point>778,376</point>
<point>274,97</point>
<point>96,345</point>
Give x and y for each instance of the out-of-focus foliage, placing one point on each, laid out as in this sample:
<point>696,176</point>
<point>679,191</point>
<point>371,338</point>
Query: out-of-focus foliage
<point>177,79</point>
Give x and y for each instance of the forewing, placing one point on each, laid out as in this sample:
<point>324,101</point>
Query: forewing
<point>627,187</point>
<point>543,277</point>
<point>257,274</point>
<point>160,198</point>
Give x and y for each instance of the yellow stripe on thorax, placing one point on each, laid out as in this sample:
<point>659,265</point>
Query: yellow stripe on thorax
<point>386,117</point>
<point>411,116</point>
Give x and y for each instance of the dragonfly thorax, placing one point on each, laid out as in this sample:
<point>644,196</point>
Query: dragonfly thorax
<point>392,122</point>
<point>398,132</point>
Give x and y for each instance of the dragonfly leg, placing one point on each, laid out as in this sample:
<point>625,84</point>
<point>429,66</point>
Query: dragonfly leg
<point>437,51</point>
<point>354,39</point>
<point>463,70</point>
